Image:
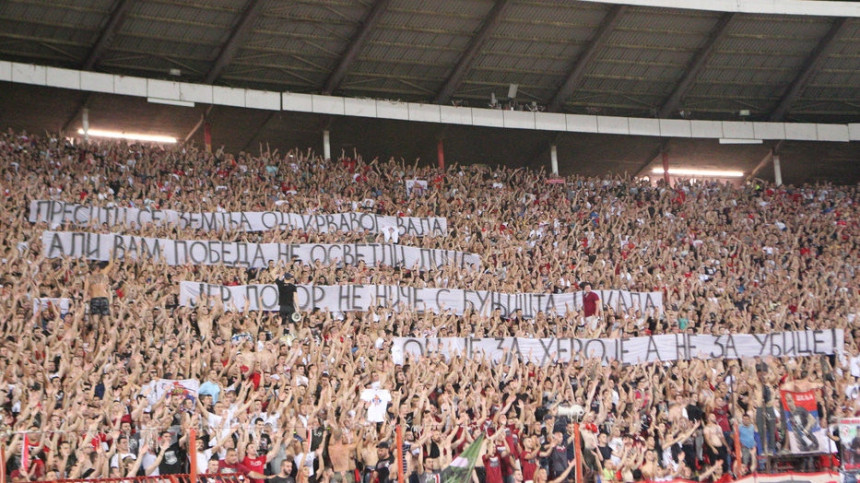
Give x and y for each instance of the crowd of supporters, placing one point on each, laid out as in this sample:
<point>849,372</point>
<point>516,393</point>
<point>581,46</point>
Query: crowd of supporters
<point>318,400</point>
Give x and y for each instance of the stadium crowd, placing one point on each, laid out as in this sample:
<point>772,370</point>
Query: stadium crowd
<point>318,400</point>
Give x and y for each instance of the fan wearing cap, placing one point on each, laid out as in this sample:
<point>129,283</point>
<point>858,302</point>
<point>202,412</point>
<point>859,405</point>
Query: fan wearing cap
<point>288,299</point>
<point>382,473</point>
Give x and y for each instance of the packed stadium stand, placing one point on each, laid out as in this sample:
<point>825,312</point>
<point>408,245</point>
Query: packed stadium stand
<point>523,290</point>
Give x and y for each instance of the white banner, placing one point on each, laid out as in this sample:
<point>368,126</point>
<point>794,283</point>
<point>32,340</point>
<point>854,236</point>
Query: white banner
<point>44,304</point>
<point>94,246</point>
<point>634,350</point>
<point>416,187</point>
<point>345,298</point>
<point>57,212</point>
<point>170,388</point>
<point>849,437</point>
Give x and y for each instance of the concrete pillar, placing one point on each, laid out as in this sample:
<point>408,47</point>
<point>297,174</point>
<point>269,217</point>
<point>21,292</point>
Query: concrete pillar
<point>665,155</point>
<point>553,159</point>
<point>207,136</point>
<point>85,123</point>
<point>440,155</point>
<point>326,144</point>
<point>777,170</point>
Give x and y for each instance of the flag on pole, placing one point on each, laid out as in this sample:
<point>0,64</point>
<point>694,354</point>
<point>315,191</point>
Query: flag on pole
<point>25,454</point>
<point>460,470</point>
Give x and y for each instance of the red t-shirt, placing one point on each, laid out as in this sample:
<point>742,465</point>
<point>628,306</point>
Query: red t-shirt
<point>36,466</point>
<point>493,467</point>
<point>529,467</point>
<point>257,464</point>
<point>589,303</point>
<point>237,468</point>
<point>507,461</point>
<point>722,414</point>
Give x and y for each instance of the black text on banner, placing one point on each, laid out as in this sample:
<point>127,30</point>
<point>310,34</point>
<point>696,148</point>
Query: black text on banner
<point>105,247</point>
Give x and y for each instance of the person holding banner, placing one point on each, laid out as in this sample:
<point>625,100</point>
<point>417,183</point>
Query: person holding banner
<point>288,301</point>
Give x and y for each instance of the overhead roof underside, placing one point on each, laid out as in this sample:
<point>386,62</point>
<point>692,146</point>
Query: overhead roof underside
<point>613,60</point>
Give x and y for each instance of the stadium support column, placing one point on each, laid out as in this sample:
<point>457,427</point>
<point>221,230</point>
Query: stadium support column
<point>207,136</point>
<point>85,124</point>
<point>326,144</point>
<point>665,155</point>
<point>440,154</point>
<point>553,159</point>
<point>777,170</point>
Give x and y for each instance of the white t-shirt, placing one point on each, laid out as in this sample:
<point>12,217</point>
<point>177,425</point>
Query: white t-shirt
<point>115,459</point>
<point>854,364</point>
<point>203,458</point>
<point>217,423</point>
<point>377,400</point>
<point>309,461</point>
<point>148,459</point>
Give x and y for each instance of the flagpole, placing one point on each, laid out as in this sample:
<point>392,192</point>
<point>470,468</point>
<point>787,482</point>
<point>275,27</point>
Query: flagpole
<point>192,451</point>
<point>738,452</point>
<point>25,454</point>
<point>577,452</point>
<point>2,463</point>
<point>400,470</point>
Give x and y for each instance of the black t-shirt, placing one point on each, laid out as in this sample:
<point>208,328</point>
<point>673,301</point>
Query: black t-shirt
<point>133,443</point>
<point>383,469</point>
<point>286,292</point>
<point>173,462</point>
<point>433,452</point>
<point>558,460</point>
<point>605,452</point>
<point>283,479</point>
<point>694,413</point>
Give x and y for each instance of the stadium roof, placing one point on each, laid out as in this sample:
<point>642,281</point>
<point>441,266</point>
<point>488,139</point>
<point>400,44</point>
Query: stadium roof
<point>616,58</point>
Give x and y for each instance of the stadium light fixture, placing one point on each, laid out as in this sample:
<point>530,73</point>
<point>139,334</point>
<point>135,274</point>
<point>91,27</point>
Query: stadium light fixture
<point>152,138</point>
<point>701,173</point>
<point>169,102</point>
<point>740,141</point>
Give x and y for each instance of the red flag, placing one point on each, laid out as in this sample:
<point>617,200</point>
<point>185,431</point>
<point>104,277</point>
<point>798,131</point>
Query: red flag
<point>25,454</point>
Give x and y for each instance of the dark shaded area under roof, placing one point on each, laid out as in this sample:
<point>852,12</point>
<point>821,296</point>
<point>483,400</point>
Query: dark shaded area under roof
<point>579,56</point>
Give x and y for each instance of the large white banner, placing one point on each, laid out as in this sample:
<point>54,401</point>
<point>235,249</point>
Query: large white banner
<point>57,212</point>
<point>345,298</point>
<point>104,247</point>
<point>634,350</point>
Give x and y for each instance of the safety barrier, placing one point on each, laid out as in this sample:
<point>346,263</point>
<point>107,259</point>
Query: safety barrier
<point>219,478</point>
